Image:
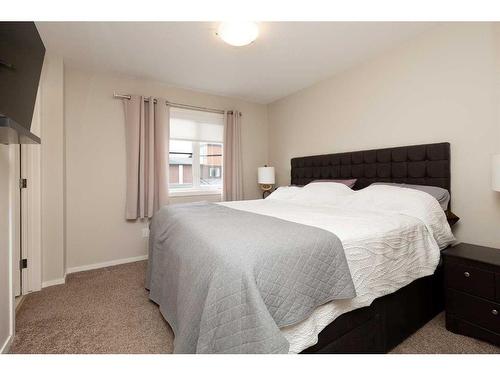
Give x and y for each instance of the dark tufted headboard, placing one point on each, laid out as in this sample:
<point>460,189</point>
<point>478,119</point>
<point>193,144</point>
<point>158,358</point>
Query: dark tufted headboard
<point>421,165</point>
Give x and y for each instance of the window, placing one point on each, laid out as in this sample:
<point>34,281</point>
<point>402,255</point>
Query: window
<point>195,154</point>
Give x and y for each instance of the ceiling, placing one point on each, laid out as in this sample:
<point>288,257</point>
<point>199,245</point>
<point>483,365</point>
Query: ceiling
<point>285,58</point>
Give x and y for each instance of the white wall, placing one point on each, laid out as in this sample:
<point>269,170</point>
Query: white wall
<point>52,169</point>
<point>441,86</point>
<point>95,161</point>
<point>6,298</point>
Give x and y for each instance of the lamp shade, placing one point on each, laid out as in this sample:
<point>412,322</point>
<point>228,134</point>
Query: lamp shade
<point>266,175</point>
<point>495,172</point>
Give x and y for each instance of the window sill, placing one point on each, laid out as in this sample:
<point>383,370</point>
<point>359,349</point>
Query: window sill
<point>189,193</point>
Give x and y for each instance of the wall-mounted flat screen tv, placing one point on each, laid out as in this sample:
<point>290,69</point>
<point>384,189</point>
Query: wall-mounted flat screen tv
<point>21,59</point>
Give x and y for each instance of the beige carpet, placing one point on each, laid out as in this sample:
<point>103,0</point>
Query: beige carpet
<point>100,311</point>
<point>108,311</point>
<point>433,338</point>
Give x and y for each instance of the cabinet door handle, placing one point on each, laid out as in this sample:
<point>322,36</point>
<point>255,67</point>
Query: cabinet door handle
<point>494,312</point>
<point>466,274</point>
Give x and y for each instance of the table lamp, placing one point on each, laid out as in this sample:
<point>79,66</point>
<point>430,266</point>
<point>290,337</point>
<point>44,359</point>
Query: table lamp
<point>266,179</point>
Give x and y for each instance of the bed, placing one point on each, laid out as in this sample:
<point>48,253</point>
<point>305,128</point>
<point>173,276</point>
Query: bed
<point>222,295</point>
<point>394,317</point>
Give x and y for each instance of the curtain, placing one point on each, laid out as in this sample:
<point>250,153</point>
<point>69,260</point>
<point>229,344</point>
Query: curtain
<point>147,139</point>
<point>232,189</point>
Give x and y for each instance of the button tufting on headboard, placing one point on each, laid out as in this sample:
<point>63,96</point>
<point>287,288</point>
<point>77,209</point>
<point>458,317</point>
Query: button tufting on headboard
<point>427,164</point>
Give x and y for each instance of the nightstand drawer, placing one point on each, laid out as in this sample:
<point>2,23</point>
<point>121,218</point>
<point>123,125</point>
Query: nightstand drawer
<point>470,279</point>
<point>476,310</point>
<point>463,327</point>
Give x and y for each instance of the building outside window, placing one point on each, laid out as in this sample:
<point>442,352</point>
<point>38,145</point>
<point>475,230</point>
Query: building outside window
<point>195,154</point>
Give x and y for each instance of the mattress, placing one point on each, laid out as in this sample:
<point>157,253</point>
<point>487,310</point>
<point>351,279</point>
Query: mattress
<point>386,250</point>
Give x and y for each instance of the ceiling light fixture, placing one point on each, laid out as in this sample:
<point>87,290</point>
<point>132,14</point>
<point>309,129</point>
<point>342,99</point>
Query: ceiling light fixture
<point>238,33</point>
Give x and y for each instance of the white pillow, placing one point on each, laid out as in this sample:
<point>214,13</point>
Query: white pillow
<point>409,202</point>
<point>441,195</point>
<point>322,194</point>
<point>284,193</point>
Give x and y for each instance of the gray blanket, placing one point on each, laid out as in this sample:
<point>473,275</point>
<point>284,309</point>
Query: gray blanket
<point>226,280</point>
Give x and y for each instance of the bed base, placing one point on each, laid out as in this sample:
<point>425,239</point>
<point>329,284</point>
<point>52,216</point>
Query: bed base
<point>387,322</point>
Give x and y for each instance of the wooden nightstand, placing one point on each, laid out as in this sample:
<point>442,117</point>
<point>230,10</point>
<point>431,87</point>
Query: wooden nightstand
<point>472,285</point>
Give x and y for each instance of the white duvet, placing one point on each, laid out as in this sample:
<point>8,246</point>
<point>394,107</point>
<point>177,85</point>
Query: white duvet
<point>391,236</point>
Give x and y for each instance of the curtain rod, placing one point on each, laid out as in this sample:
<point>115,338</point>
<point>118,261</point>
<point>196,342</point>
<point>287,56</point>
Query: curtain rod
<point>178,105</point>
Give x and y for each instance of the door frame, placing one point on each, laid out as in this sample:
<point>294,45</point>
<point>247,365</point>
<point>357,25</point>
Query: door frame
<point>31,233</point>
<point>14,245</point>
<point>15,219</point>
<point>31,217</point>
<point>25,219</point>
<point>26,210</point>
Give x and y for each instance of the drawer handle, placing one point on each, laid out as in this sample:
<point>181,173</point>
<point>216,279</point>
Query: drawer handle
<point>466,274</point>
<point>494,312</point>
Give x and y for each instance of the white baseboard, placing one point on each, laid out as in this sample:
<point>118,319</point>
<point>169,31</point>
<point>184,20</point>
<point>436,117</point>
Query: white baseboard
<point>6,345</point>
<point>106,264</point>
<point>45,284</point>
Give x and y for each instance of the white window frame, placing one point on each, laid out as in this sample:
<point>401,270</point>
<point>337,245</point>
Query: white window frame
<point>196,189</point>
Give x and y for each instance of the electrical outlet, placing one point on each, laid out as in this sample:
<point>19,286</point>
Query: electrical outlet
<point>145,232</point>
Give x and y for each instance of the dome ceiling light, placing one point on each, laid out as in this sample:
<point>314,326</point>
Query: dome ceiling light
<point>238,33</point>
